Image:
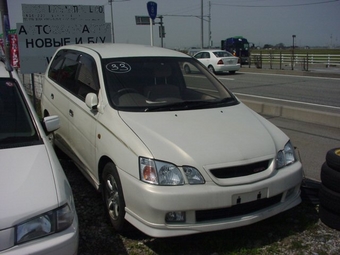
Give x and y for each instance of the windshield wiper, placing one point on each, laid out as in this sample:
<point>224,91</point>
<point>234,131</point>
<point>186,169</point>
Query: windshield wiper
<point>17,141</point>
<point>188,105</point>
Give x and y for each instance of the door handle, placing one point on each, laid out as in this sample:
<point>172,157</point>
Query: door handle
<point>70,112</point>
<point>52,96</point>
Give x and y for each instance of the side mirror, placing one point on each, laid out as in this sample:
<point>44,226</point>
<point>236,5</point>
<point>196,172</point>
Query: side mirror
<point>91,101</point>
<point>51,123</point>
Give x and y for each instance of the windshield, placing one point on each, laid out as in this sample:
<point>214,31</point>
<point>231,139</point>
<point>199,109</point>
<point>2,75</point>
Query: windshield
<point>16,126</point>
<point>162,84</point>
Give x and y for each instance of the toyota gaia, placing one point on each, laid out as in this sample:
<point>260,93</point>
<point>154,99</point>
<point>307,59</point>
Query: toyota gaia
<point>173,153</point>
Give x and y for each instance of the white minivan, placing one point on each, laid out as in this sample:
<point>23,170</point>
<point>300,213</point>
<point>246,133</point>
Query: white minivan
<point>172,153</point>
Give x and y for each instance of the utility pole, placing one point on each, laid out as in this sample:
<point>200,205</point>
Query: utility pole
<point>161,29</point>
<point>112,25</point>
<point>201,24</point>
<point>209,20</point>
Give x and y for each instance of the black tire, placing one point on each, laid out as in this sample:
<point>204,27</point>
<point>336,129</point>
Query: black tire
<point>211,69</point>
<point>232,72</point>
<point>329,218</point>
<point>333,158</point>
<point>113,196</point>
<point>330,178</point>
<point>329,199</point>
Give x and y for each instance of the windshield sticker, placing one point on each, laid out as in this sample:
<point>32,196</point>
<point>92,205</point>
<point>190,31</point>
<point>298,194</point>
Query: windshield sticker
<point>10,84</point>
<point>118,67</point>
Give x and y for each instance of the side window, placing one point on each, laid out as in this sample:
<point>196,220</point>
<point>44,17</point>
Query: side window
<point>87,79</point>
<point>199,55</point>
<point>55,67</point>
<point>202,55</point>
<point>68,70</point>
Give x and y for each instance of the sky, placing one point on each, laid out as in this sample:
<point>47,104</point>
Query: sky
<point>313,22</point>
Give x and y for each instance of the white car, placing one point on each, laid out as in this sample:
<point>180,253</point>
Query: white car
<point>173,153</point>
<point>37,211</point>
<point>218,61</point>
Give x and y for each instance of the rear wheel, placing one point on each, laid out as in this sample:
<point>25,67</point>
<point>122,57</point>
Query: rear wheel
<point>113,196</point>
<point>211,69</point>
<point>232,72</point>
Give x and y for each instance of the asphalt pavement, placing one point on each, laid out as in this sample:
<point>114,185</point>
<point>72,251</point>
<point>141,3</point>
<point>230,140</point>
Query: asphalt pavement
<point>313,129</point>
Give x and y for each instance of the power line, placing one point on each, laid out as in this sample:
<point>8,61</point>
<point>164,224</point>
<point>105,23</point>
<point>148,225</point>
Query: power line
<point>186,10</point>
<point>275,6</point>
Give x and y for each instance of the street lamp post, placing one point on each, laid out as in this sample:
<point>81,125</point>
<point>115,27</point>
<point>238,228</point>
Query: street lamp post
<point>293,52</point>
<point>112,25</point>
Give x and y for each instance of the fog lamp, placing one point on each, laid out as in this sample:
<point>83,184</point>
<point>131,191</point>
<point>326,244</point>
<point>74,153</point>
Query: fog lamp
<point>175,217</point>
<point>290,192</point>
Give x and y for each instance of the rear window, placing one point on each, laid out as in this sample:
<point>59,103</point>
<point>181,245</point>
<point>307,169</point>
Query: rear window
<point>222,54</point>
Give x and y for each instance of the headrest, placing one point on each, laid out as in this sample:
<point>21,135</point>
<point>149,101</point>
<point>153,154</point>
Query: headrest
<point>162,71</point>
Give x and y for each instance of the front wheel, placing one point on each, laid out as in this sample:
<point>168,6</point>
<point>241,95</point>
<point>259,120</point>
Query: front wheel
<point>113,196</point>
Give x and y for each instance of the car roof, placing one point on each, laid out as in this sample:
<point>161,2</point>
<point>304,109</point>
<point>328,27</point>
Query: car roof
<point>116,50</point>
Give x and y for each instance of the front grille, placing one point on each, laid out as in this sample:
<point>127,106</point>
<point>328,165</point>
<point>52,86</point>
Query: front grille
<point>237,210</point>
<point>238,171</point>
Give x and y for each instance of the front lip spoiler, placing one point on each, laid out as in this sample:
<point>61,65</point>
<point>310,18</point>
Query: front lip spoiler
<point>164,230</point>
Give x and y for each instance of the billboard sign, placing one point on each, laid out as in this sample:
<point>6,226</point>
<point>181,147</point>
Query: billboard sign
<point>47,27</point>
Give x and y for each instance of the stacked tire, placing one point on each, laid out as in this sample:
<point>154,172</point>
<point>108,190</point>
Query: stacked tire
<point>329,194</point>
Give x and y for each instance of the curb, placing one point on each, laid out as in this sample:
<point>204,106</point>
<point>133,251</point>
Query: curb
<point>277,108</point>
<point>322,115</point>
<point>324,72</point>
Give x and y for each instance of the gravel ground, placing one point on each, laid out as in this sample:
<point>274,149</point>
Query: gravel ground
<point>297,231</point>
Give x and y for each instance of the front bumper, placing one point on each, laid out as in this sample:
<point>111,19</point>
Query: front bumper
<point>147,210</point>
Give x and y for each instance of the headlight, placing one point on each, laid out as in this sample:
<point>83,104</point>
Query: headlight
<point>167,174</point>
<point>45,224</point>
<point>286,156</point>
<point>193,175</point>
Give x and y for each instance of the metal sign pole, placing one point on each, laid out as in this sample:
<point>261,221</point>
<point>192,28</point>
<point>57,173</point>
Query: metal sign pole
<point>152,10</point>
<point>151,31</point>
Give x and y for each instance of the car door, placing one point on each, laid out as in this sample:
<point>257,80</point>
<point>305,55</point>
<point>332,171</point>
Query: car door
<point>57,91</point>
<point>82,129</point>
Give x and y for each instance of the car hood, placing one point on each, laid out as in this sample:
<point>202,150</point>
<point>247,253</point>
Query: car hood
<point>27,185</point>
<point>208,137</point>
